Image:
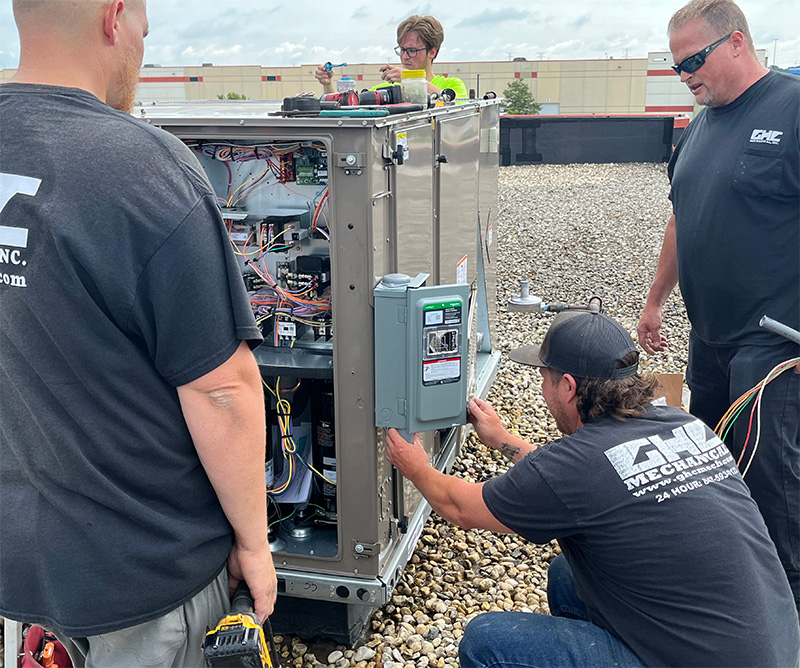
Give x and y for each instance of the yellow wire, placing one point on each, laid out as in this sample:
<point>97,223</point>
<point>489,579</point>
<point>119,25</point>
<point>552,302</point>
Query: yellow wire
<point>253,177</point>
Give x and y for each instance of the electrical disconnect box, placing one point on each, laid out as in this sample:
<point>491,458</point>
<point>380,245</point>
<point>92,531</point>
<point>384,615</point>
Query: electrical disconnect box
<point>420,354</point>
<point>321,213</point>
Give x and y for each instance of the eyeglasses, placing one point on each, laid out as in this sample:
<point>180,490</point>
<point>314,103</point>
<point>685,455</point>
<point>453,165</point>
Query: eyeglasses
<point>695,62</point>
<point>411,53</point>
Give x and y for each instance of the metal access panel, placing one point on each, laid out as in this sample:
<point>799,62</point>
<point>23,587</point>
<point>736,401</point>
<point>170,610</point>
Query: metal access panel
<point>420,354</point>
<point>318,210</point>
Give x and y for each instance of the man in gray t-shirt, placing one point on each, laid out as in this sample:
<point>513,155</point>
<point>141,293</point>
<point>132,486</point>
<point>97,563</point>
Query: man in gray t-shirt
<point>733,246</point>
<point>131,409</point>
<point>665,558</point>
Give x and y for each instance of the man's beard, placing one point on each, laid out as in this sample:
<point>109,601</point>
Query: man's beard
<point>123,96</point>
<point>708,100</point>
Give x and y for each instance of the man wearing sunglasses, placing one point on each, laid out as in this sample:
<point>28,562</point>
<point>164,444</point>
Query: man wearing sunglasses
<point>419,39</point>
<point>733,245</point>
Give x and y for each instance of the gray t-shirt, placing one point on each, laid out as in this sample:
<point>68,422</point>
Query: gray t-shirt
<point>117,284</point>
<point>735,177</point>
<point>668,550</point>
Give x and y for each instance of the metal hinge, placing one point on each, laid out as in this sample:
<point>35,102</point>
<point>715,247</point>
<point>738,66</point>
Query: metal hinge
<point>362,550</point>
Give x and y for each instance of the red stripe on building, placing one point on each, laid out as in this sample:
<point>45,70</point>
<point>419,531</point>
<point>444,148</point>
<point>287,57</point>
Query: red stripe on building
<point>165,79</point>
<point>661,73</point>
<point>517,75</point>
<point>534,75</point>
<point>669,108</point>
<point>360,77</point>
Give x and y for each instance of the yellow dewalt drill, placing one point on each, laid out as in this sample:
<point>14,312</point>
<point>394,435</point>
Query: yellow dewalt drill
<point>239,640</point>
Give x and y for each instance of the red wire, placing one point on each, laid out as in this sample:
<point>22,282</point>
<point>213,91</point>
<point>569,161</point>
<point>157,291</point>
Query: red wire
<point>749,430</point>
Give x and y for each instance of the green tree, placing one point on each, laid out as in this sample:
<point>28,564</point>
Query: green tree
<point>231,96</point>
<point>519,99</point>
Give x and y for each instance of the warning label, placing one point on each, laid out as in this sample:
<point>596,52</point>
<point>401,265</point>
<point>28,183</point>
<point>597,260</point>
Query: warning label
<point>441,371</point>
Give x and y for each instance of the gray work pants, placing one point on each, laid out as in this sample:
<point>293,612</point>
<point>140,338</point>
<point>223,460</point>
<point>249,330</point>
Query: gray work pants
<point>174,640</point>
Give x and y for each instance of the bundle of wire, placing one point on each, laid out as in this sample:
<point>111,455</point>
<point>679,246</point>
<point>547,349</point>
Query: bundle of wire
<point>276,301</point>
<point>227,152</point>
<point>732,414</point>
<point>288,444</point>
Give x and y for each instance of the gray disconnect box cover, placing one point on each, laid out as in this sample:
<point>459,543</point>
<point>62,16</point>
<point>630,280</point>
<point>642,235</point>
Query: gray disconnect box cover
<point>420,354</point>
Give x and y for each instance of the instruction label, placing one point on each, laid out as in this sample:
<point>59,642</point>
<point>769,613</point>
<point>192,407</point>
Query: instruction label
<point>441,371</point>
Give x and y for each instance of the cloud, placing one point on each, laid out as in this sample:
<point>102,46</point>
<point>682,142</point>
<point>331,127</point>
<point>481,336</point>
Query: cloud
<point>375,54</point>
<point>288,47</point>
<point>161,54</point>
<point>211,51</point>
<point>562,47</point>
<point>360,13</point>
<point>490,17</point>
<point>581,21</point>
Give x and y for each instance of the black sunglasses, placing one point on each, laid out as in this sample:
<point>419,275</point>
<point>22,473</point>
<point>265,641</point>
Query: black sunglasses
<point>695,62</point>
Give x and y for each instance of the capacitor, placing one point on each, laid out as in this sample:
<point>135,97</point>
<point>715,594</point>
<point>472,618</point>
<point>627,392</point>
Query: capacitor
<point>325,450</point>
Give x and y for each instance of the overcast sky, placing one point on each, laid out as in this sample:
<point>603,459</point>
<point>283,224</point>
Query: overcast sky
<point>233,32</point>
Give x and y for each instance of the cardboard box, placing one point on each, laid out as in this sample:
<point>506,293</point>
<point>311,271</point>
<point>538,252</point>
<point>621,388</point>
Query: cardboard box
<point>672,385</point>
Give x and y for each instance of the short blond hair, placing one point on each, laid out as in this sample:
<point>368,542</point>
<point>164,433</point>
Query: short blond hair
<point>430,31</point>
<point>721,16</point>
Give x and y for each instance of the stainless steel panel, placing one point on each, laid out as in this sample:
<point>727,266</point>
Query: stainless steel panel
<point>457,207</point>
<point>489,168</point>
<point>383,257</point>
<point>413,200</point>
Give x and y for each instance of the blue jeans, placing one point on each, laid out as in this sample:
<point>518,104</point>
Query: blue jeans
<point>525,640</point>
<point>717,376</point>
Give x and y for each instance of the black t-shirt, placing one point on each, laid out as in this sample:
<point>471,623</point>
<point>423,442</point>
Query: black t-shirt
<point>668,550</point>
<point>735,178</point>
<point>117,284</point>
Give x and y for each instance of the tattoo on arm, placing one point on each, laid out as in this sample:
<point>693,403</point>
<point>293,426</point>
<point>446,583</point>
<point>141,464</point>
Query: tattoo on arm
<point>509,450</point>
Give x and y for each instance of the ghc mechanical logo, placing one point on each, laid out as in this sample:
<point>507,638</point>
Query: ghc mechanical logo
<point>684,454</point>
<point>14,240</point>
<point>766,137</point>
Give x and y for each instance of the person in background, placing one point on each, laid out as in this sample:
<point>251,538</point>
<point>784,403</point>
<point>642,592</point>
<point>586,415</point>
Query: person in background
<point>665,559</point>
<point>733,246</point>
<point>132,489</point>
<point>419,39</point>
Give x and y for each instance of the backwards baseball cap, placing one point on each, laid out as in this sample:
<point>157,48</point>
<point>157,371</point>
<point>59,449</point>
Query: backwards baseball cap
<point>585,345</point>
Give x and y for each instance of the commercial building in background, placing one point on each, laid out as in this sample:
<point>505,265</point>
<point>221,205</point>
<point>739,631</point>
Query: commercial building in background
<point>608,86</point>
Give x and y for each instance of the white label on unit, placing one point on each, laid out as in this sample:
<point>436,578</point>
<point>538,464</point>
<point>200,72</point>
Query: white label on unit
<point>461,270</point>
<point>441,370</point>
<point>402,140</point>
